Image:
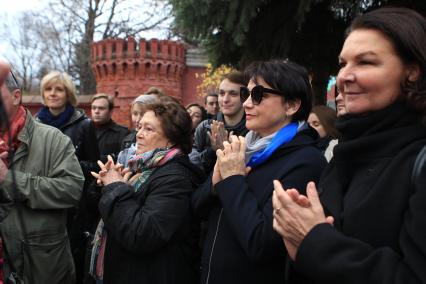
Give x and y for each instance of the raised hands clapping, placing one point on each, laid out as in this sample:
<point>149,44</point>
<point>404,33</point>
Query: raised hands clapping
<point>111,172</point>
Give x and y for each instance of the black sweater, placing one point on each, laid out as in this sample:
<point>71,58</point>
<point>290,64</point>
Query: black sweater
<point>379,235</point>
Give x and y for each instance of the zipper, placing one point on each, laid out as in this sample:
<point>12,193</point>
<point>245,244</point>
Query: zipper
<point>214,242</point>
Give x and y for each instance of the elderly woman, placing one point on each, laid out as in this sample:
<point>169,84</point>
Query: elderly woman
<point>369,189</point>
<point>240,245</point>
<point>59,97</point>
<point>146,232</point>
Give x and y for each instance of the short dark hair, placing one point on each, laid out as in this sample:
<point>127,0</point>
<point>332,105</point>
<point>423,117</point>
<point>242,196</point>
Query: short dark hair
<point>104,96</point>
<point>175,122</point>
<point>236,77</point>
<point>287,77</point>
<point>406,30</point>
<point>210,94</point>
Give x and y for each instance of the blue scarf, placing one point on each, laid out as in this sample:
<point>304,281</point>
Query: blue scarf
<point>283,136</point>
<point>48,118</point>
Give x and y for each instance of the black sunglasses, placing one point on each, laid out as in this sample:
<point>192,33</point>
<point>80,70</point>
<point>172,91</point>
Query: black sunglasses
<point>256,93</point>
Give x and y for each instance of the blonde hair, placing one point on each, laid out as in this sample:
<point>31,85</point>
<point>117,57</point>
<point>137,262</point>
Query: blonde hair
<point>61,78</point>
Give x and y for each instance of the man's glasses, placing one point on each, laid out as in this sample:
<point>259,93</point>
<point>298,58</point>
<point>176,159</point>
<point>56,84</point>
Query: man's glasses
<point>256,93</point>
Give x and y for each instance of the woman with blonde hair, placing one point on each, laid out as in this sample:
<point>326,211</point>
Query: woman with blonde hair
<point>60,100</point>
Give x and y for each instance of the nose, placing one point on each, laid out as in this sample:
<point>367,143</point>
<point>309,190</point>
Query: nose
<point>49,92</point>
<point>248,103</point>
<point>226,97</point>
<point>139,134</point>
<point>345,75</point>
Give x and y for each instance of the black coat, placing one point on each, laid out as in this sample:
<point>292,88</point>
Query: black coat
<point>151,237</point>
<point>241,245</point>
<point>128,140</point>
<point>379,233</point>
<point>110,137</point>
<point>82,133</point>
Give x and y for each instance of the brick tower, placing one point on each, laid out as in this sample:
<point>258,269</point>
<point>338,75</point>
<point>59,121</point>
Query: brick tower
<point>125,69</point>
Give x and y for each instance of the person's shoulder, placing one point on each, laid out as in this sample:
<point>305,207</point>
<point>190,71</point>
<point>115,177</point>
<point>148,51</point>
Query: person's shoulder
<point>118,127</point>
<point>44,132</point>
<point>203,126</point>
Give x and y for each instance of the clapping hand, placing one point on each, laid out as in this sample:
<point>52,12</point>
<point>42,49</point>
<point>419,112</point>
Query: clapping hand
<point>111,172</point>
<point>217,135</point>
<point>295,215</point>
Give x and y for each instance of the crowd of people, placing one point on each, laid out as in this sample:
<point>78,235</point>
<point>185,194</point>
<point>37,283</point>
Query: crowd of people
<point>256,186</point>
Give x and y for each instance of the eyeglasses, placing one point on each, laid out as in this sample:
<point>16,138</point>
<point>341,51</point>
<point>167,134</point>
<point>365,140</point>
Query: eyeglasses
<point>15,81</point>
<point>256,93</point>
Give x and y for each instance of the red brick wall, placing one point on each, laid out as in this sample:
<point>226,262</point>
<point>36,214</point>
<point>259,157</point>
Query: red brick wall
<point>125,69</point>
<point>190,83</point>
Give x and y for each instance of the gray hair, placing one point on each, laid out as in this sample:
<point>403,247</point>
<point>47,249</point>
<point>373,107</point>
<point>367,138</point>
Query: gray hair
<point>11,82</point>
<point>145,99</point>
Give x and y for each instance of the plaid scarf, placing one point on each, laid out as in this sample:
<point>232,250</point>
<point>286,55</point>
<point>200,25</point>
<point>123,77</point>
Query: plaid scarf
<point>143,164</point>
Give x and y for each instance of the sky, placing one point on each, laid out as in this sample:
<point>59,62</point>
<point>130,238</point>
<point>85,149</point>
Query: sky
<point>9,8</point>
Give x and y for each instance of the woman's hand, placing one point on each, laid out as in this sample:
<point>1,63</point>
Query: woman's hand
<point>216,177</point>
<point>110,172</point>
<point>295,215</point>
<point>231,160</point>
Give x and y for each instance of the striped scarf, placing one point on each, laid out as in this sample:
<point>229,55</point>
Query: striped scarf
<point>143,164</point>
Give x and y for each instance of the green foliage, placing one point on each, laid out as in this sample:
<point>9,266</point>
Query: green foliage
<point>310,32</point>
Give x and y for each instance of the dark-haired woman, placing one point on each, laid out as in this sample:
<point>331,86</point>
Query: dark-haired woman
<point>240,245</point>
<point>197,114</point>
<point>322,119</point>
<point>378,206</point>
<point>146,232</point>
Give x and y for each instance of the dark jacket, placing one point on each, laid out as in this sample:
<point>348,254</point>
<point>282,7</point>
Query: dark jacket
<point>151,232</point>
<point>82,133</point>
<point>202,146</point>
<point>109,138</point>
<point>241,245</point>
<point>128,140</point>
<point>379,233</point>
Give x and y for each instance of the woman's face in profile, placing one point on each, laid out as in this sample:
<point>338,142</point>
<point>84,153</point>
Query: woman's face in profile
<point>196,115</point>
<point>371,72</point>
<point>268,116</point>
<point>316,124</point>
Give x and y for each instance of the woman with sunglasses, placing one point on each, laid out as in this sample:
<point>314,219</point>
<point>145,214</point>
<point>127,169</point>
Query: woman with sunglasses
<point>240,245</point>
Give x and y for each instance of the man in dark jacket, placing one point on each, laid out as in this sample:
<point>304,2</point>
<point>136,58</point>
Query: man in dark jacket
<point>210,134</point>
<point>108,133</point>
